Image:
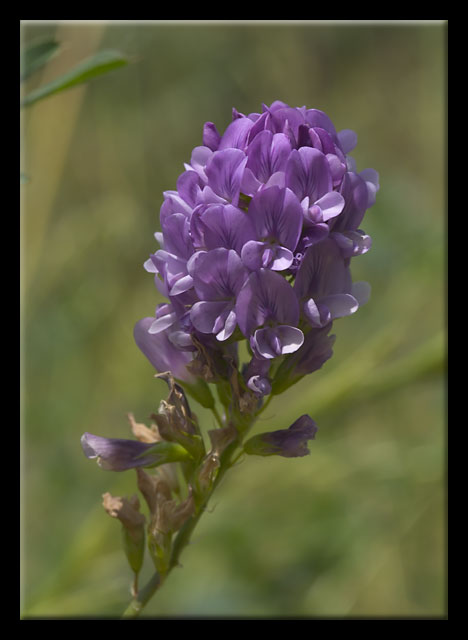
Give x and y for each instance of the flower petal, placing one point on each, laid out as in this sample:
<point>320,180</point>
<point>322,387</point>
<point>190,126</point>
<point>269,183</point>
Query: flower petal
<point>277,215</point>
<point>271,342</point>
<point>204,315</point>
<point>219,275</point>
<point>340,304</point>
<point>308,173</point>
<point>225,226</point>
<point>266,296</point>
<point>316,313</point>
<point>211,137</point>
<point>348,140</point>
<point>116,454</point>
<point>323,271</point>
<point>289,443</point>
<point>160,351</point>
<point>224,171</point>
<point>230,324</point>
<point>331,204</point>
<point>236,134</point>
<point>361,291</point>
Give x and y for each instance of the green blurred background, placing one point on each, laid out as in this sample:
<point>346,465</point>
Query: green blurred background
<point>358,527</point>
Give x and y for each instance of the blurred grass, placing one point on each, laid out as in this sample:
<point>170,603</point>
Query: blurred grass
<point>358,527</point>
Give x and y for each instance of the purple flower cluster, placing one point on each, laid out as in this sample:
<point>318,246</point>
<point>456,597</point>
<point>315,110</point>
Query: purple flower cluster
<point>256,242</point>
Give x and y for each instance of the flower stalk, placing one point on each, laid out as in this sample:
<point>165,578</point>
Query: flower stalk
<point>141,599</point>
<point>255,247</point>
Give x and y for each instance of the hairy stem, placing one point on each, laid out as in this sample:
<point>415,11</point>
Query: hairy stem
<point>216,414</point>
<point>137,604</point>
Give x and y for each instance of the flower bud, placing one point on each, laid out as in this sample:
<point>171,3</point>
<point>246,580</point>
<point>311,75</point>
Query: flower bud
<point>116,454</point>
<point>289,443</point>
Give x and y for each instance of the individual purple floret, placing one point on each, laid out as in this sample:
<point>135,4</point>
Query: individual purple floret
<point>289,443</point>
<point>324,287</point>
<point>256,240</point>
<point>277,215</point>
<point>118,454</point>
<point>218,277</point>
<point>161,350</point>
<point>268,313</point>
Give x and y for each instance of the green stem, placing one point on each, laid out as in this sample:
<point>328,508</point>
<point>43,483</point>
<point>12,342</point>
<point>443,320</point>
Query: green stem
<point>183,537</point>
<point>216,414</point>
<point>262,409</point>
<point>137,604</point>
<point>182,540</point>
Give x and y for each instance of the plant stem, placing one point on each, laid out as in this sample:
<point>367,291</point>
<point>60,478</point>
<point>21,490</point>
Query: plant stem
<point>137,604</point>
<point>182,540</point>
<point>216,414</point>
<point>269,399</point>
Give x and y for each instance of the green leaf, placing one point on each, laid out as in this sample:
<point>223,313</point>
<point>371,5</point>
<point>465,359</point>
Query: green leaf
<point>36,55</point>
<point>101,63</point>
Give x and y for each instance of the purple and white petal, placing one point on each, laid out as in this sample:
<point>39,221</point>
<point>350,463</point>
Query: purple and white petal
<point>317,313</point>
<point>308,173</point>
<point>205,315</point>
<point>176,230</point>
<point>117,454</point>
<point>331,205</point>
<point>189,187</point>
<point>352,243</point>
<point>340,304</point>
<point>229,325</point>
<point>354,191</point>
<point>371,178</point>
<point>277,216</point>
<point>226,226</point>
<point>326,142</point>
<point>259,385</point>
<point>173,203</point>
<point>361,291</point>
<point>224,170</point>
<point>180,285</point>
<point>289,443</point>
<point>199,159</point>
<point>163,322</point>
<point>161,352</point>
<point>211,136</point>
<point>236,134</point>
<point>259,255</point>
<point>323,271</point>
<point>317,118</point>
<point>219,275</point>
<point>337,168</point>
<point>266,297</point>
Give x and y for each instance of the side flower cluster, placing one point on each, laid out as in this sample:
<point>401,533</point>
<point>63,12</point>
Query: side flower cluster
<point>256,243</point>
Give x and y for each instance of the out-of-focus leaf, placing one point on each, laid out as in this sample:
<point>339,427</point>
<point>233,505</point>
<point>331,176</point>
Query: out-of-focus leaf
<point>36,55</point>
<point>102,62</point>
<point>23,178</point>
